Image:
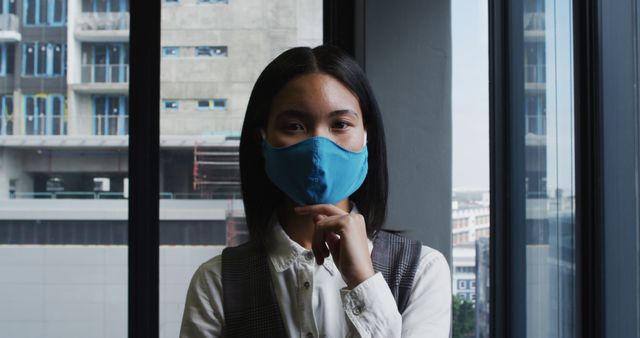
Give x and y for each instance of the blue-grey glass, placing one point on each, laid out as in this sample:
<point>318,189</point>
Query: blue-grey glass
<point>549,169</point>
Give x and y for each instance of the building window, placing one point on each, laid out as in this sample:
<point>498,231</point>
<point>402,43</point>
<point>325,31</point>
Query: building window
<point>44,12</point>
<point>171,1</point>
<point>105,63</point>
<point>105,6</point>
<point>211,51</point>
<point>7,52</point>
<point>213,104</point>
<point>110,116</point>
<point>6,115</point>
<point>170,51</point>
<point>170,104</point>
<point>43,59</point>
<point>7,6</point>
<point>45,115</point>
<point>462,284</point>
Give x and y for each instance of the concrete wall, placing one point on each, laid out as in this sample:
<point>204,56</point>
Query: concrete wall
<point>406,52</point>
<point>254,31</point>
<point>81,290</point>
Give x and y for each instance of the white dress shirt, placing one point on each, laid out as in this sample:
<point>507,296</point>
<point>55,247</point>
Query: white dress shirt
<point>314,300</point>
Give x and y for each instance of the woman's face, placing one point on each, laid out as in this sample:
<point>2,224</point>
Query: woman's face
<point>315,104</point>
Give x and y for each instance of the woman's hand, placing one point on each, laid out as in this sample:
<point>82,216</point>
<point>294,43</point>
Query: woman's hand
<point>346,235</point>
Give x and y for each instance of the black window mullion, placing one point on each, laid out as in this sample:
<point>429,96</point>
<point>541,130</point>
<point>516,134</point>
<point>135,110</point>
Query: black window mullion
<point>507,170</point>
<point>588,121</point>
<point>144,94</point>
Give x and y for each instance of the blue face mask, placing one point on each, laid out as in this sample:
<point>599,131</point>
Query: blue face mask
<point>316,170</point>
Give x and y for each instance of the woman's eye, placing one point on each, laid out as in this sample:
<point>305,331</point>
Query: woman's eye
<point>294,127</point>
<point>341,125</point>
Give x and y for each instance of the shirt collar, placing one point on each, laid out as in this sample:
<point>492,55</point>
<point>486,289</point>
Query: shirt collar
<point>283,251</point>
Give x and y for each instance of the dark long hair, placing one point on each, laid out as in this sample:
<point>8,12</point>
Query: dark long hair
<point>259,195</point>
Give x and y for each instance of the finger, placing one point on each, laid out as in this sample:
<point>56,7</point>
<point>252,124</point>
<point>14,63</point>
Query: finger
<point>320,250</point>
<point>334,245</point>
<point>332,223</point>
<point>324,209</point>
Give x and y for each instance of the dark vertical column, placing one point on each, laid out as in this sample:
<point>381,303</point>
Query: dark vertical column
<point>588,131</point>
<point>619,69</point>
<point>407,49</point>
<point>144,128</point>
<point>507,151</point>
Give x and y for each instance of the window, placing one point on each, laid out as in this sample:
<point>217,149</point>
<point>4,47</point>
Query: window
<point>110,116</point>
<point>6,115</point>
<point>44,12</point>
<point>6,58</point>
<point>45,114</point>
<point>170,104</point>
<point>462,284</point>
<point>213,104</point>
<point>105,63</point>
<point>105,6</point>
<point>213,1</point>
<point>211,51</point>
<point>170,51</point>
<point>43,59</point>
<point>8,6</point>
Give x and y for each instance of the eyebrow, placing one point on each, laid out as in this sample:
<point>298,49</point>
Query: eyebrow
<point>297,113</point>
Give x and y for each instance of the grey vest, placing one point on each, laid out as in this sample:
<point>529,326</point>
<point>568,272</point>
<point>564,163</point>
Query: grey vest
<point>250,305</point>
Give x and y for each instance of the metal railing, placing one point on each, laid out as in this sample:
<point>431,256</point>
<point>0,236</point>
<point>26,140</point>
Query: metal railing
<point>102,21</point>
<point>53,125</point>
<point>6,125</point>
<point>119,195</point>
<point>534,21</point>
<point>535,73</point>
<point>9,22</point>
<point>111,125</point>
<point>103,73</point>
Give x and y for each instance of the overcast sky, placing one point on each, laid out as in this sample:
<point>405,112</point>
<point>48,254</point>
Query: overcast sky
<point>470,94</point>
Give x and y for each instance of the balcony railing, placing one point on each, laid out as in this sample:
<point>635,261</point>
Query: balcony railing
<point>103,21</point>
<point>103,73</point>
<point>119,195</point>
<point>535,73</point>
<point>6,125</point>
<point>111,125</point>
<point>42,125</point>
<point>534,21</point>
<point>9,22</point>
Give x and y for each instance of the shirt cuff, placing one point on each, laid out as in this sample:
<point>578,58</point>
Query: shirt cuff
<point>371,307</point>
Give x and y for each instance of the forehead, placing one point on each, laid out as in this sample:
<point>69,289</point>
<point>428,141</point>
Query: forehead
<point>315,93</point>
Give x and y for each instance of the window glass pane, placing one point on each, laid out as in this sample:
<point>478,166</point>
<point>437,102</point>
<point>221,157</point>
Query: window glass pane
<point>29,59</point>
<point>549,169</point>
<point>43,7</point>
<point>470,204</point>
<point>201,206</point>
<point>58,11</point>
<point>41,67</point>
<point>30,11</point>
<point>57,59</point>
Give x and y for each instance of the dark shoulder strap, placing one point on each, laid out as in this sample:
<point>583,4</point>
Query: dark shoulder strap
<point>396,257</point>
<point>250,306</point>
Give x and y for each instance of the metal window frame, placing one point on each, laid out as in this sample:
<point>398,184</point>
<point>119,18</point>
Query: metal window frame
<point>508,296</point>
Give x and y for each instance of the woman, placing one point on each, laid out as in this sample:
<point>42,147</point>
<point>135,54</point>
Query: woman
<point>314,183</point>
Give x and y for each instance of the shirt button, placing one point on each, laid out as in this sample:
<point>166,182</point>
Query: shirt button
<point>306,285</point>
<point>309,335</point>
<point>308,255</point>
<point>357,310</point>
